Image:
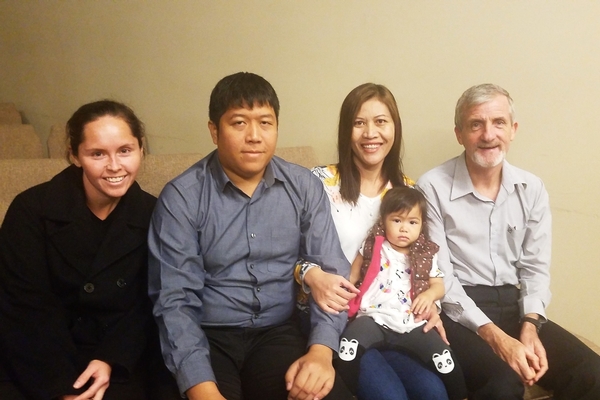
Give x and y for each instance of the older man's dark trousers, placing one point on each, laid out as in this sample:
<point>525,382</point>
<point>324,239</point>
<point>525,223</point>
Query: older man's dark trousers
<point>574,369</point>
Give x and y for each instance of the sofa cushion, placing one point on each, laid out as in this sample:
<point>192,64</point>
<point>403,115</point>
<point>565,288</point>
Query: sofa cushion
<point>57,141</point>
<point>16,175</point>
<point>19,141</point>
<point>9,114</point>
<point>158,169</point>
<point>301,155</point>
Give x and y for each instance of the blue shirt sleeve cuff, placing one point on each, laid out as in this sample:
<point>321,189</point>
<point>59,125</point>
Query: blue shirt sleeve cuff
<point>193,372</point>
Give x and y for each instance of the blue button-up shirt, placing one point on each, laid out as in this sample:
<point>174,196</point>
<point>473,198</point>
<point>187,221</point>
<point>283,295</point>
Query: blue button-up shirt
<point>219,258</point>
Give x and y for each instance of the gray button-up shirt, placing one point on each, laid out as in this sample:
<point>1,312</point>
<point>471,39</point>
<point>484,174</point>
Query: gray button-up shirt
<point>219,258</point>
<point>491,243</point>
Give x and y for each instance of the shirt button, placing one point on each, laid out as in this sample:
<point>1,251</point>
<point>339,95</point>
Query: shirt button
<point>258,289</point>
<point>253,235</point>
<point>255,315</point>
<point>251,266</point>
<point>88,287</point>
<point>121,283</point>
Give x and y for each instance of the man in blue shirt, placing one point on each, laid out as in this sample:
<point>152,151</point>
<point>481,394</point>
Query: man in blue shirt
<point>224,239</point>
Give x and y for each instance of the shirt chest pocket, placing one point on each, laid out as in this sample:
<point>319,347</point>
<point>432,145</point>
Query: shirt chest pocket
<point>515,235</point>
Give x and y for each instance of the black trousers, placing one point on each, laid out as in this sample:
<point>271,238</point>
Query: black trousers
<point>364,333</point>
<point>250,363</point>
<point>574,369</point>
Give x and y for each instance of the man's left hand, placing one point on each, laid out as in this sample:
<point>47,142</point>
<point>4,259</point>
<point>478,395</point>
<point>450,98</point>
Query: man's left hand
<point>311,377</point>
<point>530,338</point>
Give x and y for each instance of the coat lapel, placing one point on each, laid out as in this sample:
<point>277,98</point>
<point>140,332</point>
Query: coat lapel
<point>127,232</point>
<point>65,216</point>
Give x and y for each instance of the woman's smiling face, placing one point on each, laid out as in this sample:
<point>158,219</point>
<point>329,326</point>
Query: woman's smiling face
<point>372,134</point>
<point>110,157</point>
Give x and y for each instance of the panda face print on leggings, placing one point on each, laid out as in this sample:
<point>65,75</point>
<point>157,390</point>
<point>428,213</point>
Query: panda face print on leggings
<point>348,348</point>
<point>443,362</point>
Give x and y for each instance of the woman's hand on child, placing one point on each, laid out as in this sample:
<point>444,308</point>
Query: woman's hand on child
<point>331,292</point>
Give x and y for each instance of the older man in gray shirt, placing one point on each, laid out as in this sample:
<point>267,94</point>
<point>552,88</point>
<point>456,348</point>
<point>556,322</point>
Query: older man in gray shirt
<point>224,239</point>
<point>493,225</point>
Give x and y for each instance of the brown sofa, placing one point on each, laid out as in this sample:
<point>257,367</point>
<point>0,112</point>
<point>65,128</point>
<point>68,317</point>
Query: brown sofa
<point>17,175</point>
<point>9,114</point>
<point>17,140</point>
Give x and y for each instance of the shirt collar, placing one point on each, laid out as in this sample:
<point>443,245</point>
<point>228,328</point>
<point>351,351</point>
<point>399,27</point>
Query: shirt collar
<point>221,178</point>
<point>462,185</point>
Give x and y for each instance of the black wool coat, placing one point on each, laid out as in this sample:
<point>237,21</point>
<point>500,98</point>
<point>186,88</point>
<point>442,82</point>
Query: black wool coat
<point>63,304</point>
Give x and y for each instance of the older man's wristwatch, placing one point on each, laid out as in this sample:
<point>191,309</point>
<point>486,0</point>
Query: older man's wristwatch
<point>536,322</point>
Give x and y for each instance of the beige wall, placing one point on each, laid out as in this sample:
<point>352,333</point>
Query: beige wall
<point>164,57</point>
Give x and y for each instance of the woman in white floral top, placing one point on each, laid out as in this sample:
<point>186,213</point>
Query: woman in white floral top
<point>369,148</point>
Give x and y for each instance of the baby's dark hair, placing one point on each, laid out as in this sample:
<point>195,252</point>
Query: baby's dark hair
<point>403,199</point>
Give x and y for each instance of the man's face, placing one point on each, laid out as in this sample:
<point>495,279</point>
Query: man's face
<point>246,139</point>
<point>486,133</point>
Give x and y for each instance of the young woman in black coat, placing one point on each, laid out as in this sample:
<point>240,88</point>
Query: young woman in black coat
<point>75,318</point>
